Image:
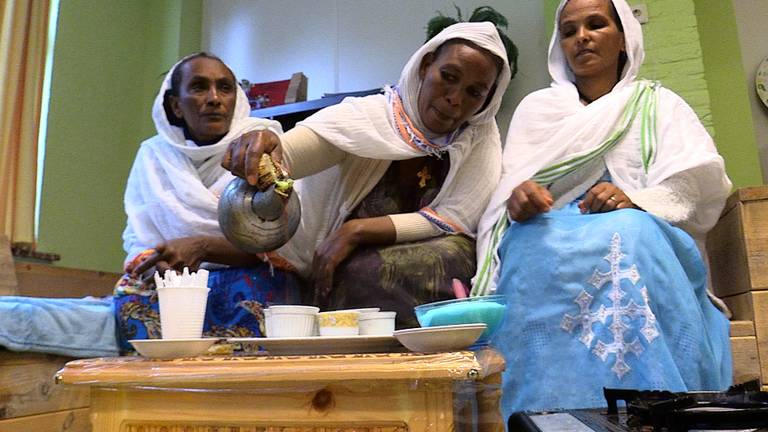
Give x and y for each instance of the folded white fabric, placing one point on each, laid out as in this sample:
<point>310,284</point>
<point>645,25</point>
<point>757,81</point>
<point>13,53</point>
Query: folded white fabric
<point>71,327</point>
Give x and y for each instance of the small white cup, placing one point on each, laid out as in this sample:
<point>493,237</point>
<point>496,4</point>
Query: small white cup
<point>284,321</point>
<point>377,323</point>
<point>182,311</point>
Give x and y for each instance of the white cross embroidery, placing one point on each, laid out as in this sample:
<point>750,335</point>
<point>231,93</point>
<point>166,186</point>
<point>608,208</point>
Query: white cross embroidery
<point>616,311</point>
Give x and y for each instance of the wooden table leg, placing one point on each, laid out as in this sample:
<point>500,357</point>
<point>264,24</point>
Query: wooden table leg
<point>489,417</point>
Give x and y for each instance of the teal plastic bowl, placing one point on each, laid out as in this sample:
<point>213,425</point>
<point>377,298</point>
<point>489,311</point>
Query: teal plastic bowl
<point>485,309</point>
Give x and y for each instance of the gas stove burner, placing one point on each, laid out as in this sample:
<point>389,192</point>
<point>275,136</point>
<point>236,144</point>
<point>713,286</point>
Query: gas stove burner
<point>742,406</point>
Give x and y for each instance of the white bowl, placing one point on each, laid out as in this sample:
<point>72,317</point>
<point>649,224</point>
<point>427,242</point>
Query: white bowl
<point>377,323</point>
<point>283,325</point>
<point>282,321</point>
<point>440,338</point>
<point>172,348</point>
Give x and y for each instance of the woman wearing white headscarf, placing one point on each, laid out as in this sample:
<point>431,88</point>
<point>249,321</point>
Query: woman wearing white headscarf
<point>606,182</point>
<point>407,166</point>
<point>171,202</point>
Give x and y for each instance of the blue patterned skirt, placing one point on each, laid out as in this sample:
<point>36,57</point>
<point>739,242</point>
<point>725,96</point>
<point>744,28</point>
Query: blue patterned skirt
<point>615,299</point>
<point>234,306</point>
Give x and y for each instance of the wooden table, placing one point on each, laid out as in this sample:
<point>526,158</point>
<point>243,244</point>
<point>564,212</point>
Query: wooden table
<point>363,392</point>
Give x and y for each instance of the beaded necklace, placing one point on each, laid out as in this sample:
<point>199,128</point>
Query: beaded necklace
<point>410,133</point>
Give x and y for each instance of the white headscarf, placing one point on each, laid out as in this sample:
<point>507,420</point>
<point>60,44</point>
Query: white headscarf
<point>364,128</point>
<point>358,126</point>
<point>486,36</point>
<point>552,124</point>
<point>633,39</point>
<point>173,188</point>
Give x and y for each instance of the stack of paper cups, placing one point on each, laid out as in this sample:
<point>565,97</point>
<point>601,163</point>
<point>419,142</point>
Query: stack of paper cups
<point>182,311</point>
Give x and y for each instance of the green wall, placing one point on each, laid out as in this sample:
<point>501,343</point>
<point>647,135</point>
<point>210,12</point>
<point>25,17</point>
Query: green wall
<point>174,29</point>
<point>108,61</point>
<point>724,72</point>
<point>691,46</point>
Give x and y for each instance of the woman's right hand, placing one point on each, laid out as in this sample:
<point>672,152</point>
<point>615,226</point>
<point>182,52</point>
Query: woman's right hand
<point>527,200</point>
<point>244,153</point>
<point>174,255</point>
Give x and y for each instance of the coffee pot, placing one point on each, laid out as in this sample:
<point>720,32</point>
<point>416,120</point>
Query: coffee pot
<point>260,218</point>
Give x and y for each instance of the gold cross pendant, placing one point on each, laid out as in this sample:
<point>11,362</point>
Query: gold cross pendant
<point>423,176</point>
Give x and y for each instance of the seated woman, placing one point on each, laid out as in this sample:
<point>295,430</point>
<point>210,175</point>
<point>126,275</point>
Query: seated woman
<point>607,183</point>
<point>384,178</point>
<point>171,201</point>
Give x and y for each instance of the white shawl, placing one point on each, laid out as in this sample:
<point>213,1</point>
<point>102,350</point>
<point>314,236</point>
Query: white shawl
<point>364,129</point>
<point>174,186</point>
<point>551,124</point>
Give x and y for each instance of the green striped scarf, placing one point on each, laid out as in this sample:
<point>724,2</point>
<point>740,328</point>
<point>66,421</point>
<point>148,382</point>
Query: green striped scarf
<point>643,101</point>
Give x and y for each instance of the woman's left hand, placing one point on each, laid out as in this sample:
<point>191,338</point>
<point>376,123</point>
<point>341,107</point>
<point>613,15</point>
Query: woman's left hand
<point>332,251</point>
<point>605,197</point>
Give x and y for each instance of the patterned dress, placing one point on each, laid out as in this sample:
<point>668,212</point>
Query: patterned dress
<point>401,276</point>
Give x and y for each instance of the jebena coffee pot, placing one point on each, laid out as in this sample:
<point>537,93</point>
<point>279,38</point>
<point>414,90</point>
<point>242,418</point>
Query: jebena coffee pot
<point>260,218</point>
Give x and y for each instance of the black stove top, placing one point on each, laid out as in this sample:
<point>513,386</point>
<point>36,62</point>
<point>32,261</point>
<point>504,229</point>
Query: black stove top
<point>741,408</point>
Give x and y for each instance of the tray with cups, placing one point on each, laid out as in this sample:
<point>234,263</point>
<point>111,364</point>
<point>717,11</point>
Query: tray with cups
<point>182,298</point>
<point>296,330</point>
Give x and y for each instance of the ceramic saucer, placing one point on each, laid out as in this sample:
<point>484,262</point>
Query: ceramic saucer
<point>172,348</point>
<point>440,338</point>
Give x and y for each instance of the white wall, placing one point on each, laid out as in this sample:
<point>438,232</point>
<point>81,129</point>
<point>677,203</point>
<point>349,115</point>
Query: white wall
<point>751,19</point>
<point>349,45</point>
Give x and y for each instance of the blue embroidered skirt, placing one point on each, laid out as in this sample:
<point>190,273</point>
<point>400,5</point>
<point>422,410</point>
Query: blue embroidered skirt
<point>615,299</point>
<point>234,304</point>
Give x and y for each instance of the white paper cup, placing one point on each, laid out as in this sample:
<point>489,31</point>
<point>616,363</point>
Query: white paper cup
<point>182,311</point>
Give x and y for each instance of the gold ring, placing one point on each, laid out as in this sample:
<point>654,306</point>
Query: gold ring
<point>613,199</point>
